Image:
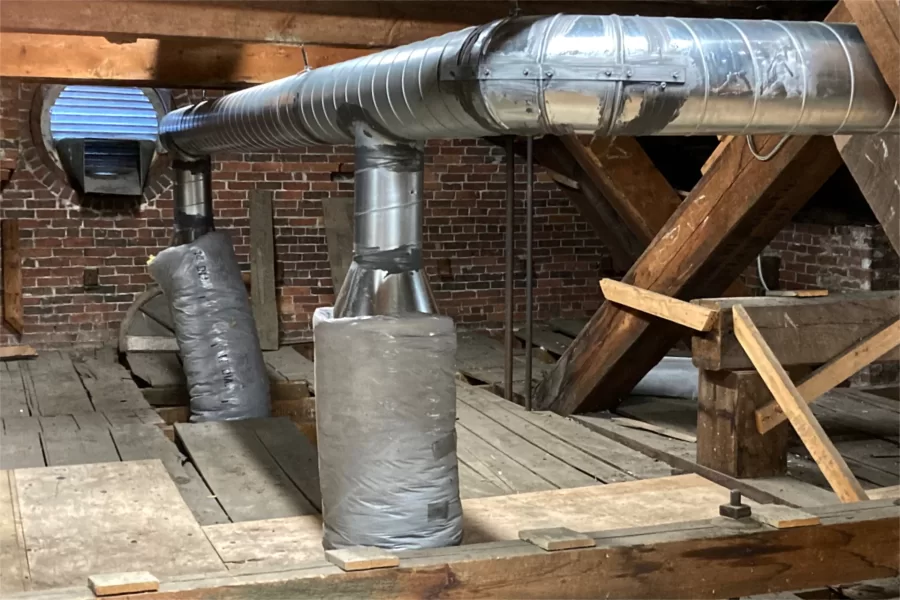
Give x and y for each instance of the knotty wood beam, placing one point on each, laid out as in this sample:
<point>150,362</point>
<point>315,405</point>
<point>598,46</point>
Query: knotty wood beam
<point>690,315</point>
<point>732,559</point>
<point>729,217</point>
<point>834,372</point>
<point>194,63</point>
<point>792,404</point>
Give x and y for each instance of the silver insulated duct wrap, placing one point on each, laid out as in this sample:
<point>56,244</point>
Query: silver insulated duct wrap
<point>590,74</point>
<point>214,328</point>
<point>385,422</point>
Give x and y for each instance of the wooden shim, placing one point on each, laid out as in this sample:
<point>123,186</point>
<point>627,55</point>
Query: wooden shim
<point>262,269</point>
<point>857,543</point>
<point>338,218</point>
<point>150,343</point>
<point>74,529</point>
<point>556,538</point>
<point>13,310</point>
<point>834,372</point>
<point>727,220</point>
<point>113,584</point>
<point>783,517</point>
<point>158,62</point>
<point>362,558</point>
<point>236,465</point>
<point>17,352</point>
<point>822,450</point>
<point>797,293</point>
<point>800,331</point>
<point>690,315</point>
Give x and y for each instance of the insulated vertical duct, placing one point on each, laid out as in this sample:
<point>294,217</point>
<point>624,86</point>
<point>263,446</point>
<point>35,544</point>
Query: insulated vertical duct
<point>601,75</point>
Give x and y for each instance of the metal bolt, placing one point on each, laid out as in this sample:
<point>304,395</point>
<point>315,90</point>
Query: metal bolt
<point>662,85</point>
<point>608,72</point>
<point>629,73</point>
<point>525,72</point>
<point>548,74</point>
<point>735,497</point>
<point>675,75</point>
<point>487,72</point>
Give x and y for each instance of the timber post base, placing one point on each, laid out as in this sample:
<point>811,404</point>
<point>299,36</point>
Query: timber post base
<point>727,437</point>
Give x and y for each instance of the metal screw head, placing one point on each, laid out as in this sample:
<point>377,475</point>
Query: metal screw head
<point>487,72</point>
<point>608,72</point>
<point>675,75</point>
<point>525,72</point>
<point>629,73</point>
<point>662,85</point>
<point>548,74</point>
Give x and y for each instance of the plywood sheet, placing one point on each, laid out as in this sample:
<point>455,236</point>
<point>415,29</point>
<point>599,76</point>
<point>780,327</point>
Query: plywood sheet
<point>284,542</point>
<point>80,520</point>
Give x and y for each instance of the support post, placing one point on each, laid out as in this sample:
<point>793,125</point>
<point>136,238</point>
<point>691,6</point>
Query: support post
<point>509,306</point>
<point>727,438</point>
<point>529,267</point>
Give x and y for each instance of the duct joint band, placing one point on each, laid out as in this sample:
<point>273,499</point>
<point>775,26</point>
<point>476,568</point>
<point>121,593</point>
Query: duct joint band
<point>395,260</point>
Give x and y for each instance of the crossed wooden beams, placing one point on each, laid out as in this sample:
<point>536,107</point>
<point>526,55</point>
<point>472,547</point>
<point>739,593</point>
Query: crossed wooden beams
<point>735,210</point>
<point>790,401</point>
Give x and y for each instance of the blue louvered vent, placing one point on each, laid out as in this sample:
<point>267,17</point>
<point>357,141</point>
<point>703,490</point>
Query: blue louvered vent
<point>105,137</point>
<point>88,111</point>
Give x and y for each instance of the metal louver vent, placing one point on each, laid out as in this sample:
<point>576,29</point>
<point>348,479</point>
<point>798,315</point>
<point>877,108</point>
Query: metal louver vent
<point>105,137</point>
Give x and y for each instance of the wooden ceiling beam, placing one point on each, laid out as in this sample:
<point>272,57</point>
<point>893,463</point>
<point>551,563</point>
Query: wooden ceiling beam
<point>879,25</point>
<point>359,24</point>
<point>151,62</point>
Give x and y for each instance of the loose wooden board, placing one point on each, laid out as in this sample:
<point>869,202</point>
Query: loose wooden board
<point>81,520</point>
<point>262,269</point>
<point>158,369</point>
<point>241,472</point>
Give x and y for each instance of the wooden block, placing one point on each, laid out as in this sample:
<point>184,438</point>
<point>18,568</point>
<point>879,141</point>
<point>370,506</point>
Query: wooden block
<point>556,538</point>
<point>797,293</point>
<point>696,317</point>
<point>362,558</point>
<point>338,219</point>
<point>16,352</point>
<point>782,517</point>
<point>133,582</point>
<point>808,428</point>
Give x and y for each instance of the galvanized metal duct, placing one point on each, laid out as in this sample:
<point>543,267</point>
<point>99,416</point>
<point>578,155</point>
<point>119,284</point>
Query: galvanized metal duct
<point>386,276</point>
<point>609,75</point>
<point>192,199</point>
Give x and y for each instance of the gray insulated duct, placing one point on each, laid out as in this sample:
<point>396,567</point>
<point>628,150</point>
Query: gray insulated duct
<point>387,460</point>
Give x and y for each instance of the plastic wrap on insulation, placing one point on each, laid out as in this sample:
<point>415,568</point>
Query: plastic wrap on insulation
<point>386,428</point>
<point>214,328</point>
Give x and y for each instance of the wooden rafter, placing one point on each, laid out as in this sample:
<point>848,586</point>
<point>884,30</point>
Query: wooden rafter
<point>879,24</point>
<point>195,63</point>
<point>729,217</point>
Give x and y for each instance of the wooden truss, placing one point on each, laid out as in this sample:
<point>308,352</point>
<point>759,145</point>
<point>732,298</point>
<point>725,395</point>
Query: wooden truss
<point>735,210</point>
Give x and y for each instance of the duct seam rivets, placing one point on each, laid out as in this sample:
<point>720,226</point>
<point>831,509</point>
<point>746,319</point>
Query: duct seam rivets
<point>526,72</point>
<point>608,72</point>
<point>675,75</point>
<point>628,73</point>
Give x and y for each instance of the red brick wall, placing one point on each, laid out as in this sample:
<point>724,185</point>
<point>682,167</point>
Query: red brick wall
<point>464,219</point>
<point>832,257</point>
